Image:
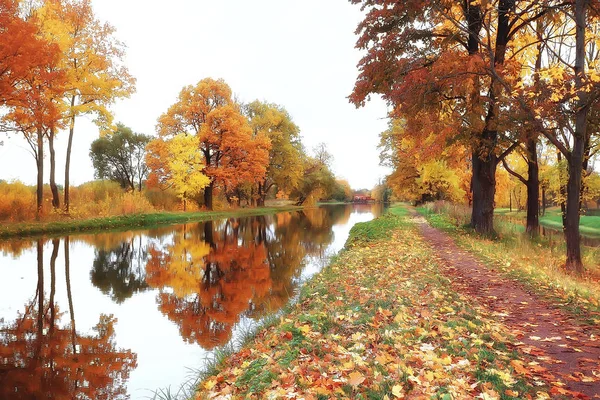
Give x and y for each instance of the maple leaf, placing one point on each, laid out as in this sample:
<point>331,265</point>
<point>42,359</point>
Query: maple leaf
<point>355,378</point>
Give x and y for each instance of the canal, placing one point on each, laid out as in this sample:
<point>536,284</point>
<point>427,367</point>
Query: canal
<point>120,314</point>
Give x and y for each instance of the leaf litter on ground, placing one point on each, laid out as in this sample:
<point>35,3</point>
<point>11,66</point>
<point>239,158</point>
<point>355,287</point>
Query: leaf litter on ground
<point>381,322</point>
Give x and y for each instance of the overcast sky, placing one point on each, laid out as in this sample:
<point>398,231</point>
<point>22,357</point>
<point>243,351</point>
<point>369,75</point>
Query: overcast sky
<point>298,54</point>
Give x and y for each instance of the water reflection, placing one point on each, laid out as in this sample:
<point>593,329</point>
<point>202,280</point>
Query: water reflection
<point>42,358</point>
<point>209,275</point>
<point>178,291</point>
<point>120,272</point>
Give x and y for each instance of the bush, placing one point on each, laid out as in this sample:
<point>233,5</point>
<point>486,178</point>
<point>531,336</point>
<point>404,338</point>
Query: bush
<point>17,201</point>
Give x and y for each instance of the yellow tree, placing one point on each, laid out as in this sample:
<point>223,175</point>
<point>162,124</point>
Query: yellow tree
<point>177,164</point>
<point>91,58</point>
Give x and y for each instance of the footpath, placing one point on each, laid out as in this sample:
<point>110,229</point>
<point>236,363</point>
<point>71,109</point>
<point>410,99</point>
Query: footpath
<point>402,312</point>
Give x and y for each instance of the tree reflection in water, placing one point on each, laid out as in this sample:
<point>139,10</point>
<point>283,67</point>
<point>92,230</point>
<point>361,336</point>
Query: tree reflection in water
<point>210,275</point>
<point>119,271</point>
<point>40,359</point>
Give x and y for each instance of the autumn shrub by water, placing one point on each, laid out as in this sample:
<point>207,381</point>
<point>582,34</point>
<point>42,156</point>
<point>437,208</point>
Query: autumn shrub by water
<point>90,200</point>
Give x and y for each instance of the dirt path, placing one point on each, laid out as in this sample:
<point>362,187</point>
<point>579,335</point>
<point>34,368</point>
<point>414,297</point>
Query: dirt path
<point>568,353</point>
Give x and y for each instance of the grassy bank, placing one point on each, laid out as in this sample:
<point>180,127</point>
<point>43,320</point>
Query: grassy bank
<point>128,221</point>
<point>537,264</point>
<point>589,225</point>
<point>380,322</point>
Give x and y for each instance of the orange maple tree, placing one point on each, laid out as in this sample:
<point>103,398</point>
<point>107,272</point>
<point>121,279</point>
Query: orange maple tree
<point>232,154</point>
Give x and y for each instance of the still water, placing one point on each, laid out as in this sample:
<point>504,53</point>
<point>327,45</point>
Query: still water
<point>122,314</point>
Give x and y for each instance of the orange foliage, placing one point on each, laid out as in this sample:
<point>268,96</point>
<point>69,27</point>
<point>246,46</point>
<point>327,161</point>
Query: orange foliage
<point>22,54</point>
<point>232,155</point>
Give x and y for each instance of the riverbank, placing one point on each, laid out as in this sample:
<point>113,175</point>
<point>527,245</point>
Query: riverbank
<point>383,320</point>
<point>29,229</point>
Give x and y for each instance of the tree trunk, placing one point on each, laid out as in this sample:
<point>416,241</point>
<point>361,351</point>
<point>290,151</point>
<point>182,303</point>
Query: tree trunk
<point>53,187</point>
<point>484,189</point>
<point>485,160</point>
<point>573,262</point>
<point>543,200</point>
<point>533,188</point>
<point>260,201</point>
<point>208,196</point>
<point>40,173</point>
<point>562,191</point>
<point>68,158</point>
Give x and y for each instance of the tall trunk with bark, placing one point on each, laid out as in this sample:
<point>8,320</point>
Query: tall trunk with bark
<point>544,200</point>
<point>262,194</point>
<point>533,188</point>
<point>562,189</point>
<point>208,196</point>
<point>68,158</point>
<point>40,172</point>
<point>484,189</point>
<point>575,161</point>
<point>53,187</point>
<point>484,159</point>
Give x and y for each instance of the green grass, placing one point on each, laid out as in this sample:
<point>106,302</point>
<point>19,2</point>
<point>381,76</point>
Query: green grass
<point>128,221</point>
<point>589,225</point>
<point>378,228</point>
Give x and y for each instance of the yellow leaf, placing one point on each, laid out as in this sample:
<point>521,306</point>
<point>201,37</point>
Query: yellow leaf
<point>429,376</point>
<point>305,329</point>
<point>209,384</point>
<point>356,378</point>
<point>397,391</point>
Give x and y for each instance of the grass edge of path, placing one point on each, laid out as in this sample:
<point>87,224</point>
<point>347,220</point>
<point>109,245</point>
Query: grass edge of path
<point>554,286</point>
<point>362,237</point>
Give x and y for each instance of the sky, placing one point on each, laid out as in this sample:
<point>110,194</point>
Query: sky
<point>298,54</point>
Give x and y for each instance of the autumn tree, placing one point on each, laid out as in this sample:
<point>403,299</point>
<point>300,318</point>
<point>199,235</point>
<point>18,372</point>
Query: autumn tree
<point>22,52</point>
<point>420,173</point>
<point>120,157</point>
<point>32,85</point>
<point>450,64</point>
<point>91,57</point>
<point>232,154</point>
<point>284,170</point>
<point>317,179</point>
<point>177,163</point>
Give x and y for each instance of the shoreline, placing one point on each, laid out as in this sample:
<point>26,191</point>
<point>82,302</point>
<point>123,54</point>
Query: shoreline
<point>131,221</point>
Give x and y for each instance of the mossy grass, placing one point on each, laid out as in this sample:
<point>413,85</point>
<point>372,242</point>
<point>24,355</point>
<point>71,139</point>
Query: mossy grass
<point>131,221</point>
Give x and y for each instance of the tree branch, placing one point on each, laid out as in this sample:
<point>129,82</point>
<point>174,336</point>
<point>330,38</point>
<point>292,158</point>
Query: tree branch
<point>513,173</point>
